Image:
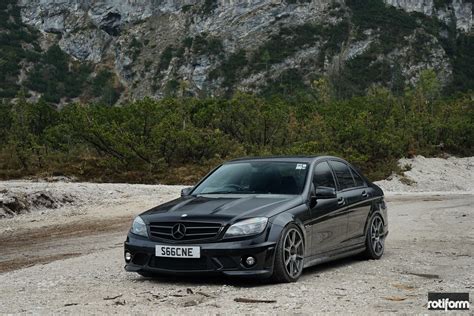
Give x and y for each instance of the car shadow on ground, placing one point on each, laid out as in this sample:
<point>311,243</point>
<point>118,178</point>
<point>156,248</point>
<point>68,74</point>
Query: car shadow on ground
<point>198,280</point>
<point>331,265</point>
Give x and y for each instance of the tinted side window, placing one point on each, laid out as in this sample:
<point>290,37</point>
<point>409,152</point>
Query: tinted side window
<point>343,175</point>
<point>323,176</point>
<point>358,180</point>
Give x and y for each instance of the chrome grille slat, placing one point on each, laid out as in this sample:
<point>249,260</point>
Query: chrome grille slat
<point>160,233</point>
<point>200,234</point>
<point>204,227</point>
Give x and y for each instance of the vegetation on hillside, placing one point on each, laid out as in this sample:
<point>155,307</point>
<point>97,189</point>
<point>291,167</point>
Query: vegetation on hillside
<point>178,140</point>
<point>394,26</point>
<point>13,52</point>
<point>392,29</point>
<point>51,73</point>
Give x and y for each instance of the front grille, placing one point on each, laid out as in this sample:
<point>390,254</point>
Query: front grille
<point>193,230</point>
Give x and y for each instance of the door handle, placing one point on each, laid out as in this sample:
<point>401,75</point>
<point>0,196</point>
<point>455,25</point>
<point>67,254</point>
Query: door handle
<point>365,194</point>
<point>341,201</point>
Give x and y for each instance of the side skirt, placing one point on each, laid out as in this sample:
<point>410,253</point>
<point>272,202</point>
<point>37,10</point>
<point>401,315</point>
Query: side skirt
<point>333,255</point>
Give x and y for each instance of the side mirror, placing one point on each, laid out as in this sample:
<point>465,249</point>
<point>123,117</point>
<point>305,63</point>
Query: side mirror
<point>186,191</point>
<point>325,193</point>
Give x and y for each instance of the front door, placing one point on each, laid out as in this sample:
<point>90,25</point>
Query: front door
<point>328,225</point>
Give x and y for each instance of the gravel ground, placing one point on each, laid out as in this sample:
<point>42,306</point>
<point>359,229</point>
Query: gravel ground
<point>69,259</point>
<point>431,236</point>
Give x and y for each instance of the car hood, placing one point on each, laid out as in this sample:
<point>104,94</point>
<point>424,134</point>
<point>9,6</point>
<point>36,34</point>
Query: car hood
<point>222,208</point>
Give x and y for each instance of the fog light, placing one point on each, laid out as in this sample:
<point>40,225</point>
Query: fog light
<point>250,261</point>
<point>128,256</point>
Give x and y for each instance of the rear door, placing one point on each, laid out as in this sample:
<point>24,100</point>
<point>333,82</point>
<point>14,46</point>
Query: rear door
<point>353,193</point>
<point>361,203</point>
<point>327,223</point>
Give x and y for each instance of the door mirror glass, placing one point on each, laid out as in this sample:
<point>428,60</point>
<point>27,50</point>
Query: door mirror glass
<point>325,192</point>
<point>186,191</point>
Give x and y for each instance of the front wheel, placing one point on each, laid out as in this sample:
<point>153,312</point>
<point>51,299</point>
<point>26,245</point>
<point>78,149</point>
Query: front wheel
<point>289,255</point>
<point>375,240</point>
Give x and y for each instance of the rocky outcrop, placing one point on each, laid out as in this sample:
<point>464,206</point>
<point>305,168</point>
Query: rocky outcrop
<point>458,11</point>
<point>462,13</point>
<point>413,61</point>
<point>423,6</point>
<point>14,203</point>
<point>86,26</point>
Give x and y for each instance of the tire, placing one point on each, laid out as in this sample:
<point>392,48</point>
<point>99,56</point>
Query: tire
<point>289,255</point>
<point>375,238</point>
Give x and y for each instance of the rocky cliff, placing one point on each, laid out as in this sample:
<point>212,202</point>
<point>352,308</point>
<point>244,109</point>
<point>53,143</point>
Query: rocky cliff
<point>213,47</point>
<point>447,11</point>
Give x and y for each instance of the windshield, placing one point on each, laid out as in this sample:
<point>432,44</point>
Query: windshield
<point>259,177</point>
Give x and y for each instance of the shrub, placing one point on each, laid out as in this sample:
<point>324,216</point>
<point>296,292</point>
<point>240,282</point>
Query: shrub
<point>176,140</point>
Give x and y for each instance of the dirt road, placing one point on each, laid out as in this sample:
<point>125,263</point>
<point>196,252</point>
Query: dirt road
<point>72,263</point>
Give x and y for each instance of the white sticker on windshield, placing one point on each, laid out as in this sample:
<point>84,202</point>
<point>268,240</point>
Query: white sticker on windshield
<point>300,166</point>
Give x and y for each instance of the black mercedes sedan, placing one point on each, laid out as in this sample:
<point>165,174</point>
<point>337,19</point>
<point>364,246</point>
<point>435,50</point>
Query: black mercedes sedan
<point>267,217</point>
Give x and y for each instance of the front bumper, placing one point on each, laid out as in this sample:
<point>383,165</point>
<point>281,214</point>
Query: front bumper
<point>216,258</point>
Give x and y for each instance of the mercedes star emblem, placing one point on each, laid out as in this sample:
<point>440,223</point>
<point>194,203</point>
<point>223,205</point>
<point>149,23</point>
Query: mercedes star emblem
<point>178,231</point>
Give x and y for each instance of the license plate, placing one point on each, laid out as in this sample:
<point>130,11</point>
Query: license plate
<point>178,251</point>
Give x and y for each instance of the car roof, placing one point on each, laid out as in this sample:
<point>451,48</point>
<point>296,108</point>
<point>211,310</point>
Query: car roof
<point>307,159</point>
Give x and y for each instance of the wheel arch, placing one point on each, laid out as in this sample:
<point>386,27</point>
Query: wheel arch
<point>374,209</point>
<point>281,220</point>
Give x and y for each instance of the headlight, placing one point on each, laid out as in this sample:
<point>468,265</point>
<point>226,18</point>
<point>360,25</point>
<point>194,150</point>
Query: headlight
<point>251,226</point>
<point>139,227</point>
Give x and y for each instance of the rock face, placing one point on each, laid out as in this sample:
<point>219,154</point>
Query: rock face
<point>160,47</point>
<point>86,26</point>
<point>462,11</point>
<point>423,6</point>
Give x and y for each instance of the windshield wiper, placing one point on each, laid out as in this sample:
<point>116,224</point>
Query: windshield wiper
<point>229,192</point>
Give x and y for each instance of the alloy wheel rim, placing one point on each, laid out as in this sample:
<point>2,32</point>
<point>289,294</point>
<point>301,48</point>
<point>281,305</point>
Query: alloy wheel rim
<point>293,252</point>
<point>377,235</point>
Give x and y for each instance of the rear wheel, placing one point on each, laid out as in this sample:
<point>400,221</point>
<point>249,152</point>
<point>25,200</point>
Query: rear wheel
<point>289,255</point>
<point>375,240</point>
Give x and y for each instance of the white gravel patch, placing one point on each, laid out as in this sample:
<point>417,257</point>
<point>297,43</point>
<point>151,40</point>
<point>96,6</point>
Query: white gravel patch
<point>434,175</point>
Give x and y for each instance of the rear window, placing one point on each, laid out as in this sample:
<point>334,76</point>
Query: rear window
<point>343,175</point>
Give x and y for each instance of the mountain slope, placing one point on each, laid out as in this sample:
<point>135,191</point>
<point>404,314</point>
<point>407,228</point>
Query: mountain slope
<point>133,49</point>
